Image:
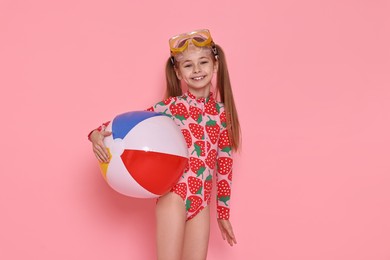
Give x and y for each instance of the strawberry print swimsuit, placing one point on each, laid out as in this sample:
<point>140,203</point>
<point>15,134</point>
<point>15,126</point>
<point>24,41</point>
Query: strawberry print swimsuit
<point>203,124</point>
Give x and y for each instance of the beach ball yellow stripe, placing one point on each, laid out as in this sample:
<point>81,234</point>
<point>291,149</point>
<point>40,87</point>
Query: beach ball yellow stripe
<point>104,166</point>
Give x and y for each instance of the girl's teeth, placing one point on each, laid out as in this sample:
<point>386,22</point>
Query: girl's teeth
<point>198,78</point>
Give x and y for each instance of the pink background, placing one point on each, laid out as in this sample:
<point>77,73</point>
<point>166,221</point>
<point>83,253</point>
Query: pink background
<point>312,87</point>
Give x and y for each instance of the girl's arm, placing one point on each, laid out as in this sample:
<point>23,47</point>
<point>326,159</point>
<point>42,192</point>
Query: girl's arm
<point>100,128</point>
<point>224,182</point>
<point>224,175</point>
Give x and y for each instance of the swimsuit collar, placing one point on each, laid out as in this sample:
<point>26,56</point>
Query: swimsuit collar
<point>202,99</point>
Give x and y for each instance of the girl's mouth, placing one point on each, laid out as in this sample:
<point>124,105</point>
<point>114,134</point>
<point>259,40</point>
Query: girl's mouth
<point>198,78</point>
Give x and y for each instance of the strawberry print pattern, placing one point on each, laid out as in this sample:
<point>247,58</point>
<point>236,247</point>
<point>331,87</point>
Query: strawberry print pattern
<point>203,124</point>
<point>211,158</point>
<point>187,137</point>
<point>208,185</point>
<point>224,165</point>
<point>223,192</point>
<point>193,203</point>
<point>179,111</point>
<point>181,190</point>
<point>212,130</point>
<point>195,185</point>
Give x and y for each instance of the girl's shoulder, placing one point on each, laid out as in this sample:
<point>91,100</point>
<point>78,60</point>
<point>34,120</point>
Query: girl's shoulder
<point>163,103</point>
<point>168,101</point>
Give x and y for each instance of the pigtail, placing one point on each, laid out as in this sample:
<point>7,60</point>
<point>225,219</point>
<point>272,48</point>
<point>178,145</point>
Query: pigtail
<point>173,83</point>
<point>226,94</point>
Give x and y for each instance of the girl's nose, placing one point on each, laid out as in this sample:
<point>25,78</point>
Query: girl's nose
<point>196,68</point>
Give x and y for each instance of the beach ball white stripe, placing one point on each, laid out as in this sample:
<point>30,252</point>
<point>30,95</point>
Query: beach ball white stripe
<point>146,136</point>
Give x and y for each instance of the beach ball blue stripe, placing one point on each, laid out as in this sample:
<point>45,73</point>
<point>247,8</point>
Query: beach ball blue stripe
<point>123,123</point>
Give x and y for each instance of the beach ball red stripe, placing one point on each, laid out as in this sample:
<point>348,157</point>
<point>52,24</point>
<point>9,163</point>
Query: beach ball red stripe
<point>153,170</point>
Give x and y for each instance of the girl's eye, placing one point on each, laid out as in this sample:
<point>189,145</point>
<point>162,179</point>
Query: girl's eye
<point>187,65</point>
<point>204,62</point>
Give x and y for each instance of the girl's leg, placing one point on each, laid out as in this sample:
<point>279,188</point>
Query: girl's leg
<point>171,219</point>
<point>196,238</point>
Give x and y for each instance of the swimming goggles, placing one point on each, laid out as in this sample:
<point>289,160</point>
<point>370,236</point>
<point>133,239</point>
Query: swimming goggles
<point>199,38</point>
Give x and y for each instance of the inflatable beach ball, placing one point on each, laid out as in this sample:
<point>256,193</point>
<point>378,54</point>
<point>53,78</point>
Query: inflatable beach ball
<point>148,154</point>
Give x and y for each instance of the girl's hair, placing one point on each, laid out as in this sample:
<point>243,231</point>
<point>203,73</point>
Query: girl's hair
<point>224,90</point>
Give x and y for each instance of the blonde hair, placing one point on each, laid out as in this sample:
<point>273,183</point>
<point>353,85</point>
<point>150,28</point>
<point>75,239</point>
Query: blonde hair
<point>224,90</point>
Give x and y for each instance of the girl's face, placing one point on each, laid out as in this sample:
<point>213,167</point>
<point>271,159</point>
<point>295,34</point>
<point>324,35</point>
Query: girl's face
<point>196,66</point>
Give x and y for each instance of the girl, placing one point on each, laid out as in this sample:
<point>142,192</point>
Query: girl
<point>211,130</point>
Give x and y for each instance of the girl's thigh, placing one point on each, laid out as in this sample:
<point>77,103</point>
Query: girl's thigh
<point>170,226</point>
<point>196,237</point>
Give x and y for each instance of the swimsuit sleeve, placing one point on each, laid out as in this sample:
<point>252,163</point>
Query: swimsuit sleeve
<point>224,171</point>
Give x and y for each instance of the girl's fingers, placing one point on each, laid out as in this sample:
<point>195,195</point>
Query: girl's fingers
<point>234,240</point>
<point>231,234</point>
<point>98,146</point>
<point>222,228</point>
<point>227,232</point>
<point>98,158</point>
<point>101,152</point>
<point>106,133</point>
<point>230,239</point>
<point>223,235</point>
<point>97,149</point>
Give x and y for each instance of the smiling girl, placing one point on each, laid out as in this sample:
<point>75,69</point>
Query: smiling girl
<point>208,119</point>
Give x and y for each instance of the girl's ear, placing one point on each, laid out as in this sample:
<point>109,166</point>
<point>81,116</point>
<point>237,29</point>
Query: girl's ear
<point>178,75</point>
<point>216,65</point>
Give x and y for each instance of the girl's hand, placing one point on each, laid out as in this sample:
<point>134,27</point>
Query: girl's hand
<point>227,231</point>
<point>98,146</point>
